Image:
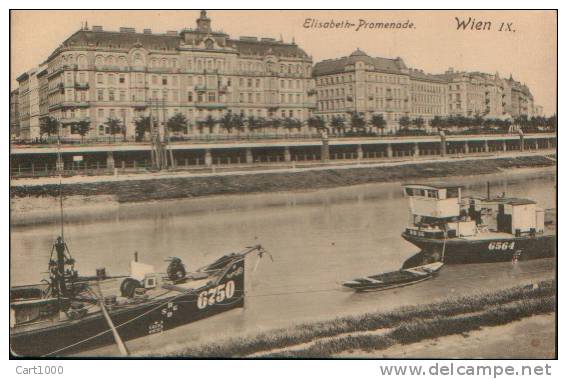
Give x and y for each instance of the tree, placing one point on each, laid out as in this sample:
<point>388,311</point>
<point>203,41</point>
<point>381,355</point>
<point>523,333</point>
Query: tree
<point>290,123</point>
<point>227,122</point>
<point>114,126</point>
<point>238,122</point>
<point>418,122</point>
<point>209,122</point>
<point>142,127</point>
<point>49,126</point>
<point>177,123</point>
<point>316,123</point>
<point>82,128</point>
<point>276,123</point>
<point>252,123</point>
<point>357,121</point>
<point>379,122</point>
<point>404,122</point>
<point>438,122</point>
<point>338,123</point>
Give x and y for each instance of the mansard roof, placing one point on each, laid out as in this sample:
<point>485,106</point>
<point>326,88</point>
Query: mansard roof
<point>171,43</point>
<point>336,66</point>
<point>420,75</point>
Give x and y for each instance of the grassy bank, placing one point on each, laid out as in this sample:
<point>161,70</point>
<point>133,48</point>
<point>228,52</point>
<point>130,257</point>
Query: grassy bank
<point>175,188</point>
<point>404,325</point>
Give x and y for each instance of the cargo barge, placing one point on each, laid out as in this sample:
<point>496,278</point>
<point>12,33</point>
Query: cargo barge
<point>446,226</point>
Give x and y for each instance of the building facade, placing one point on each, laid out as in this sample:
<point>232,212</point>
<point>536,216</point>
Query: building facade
<point>14,114</point>
<point>487,95</point>
<point>24,103</point>
<point>96,75</point>
<point>428,95</point>
<point>363,84</point>
<point>370,85</point>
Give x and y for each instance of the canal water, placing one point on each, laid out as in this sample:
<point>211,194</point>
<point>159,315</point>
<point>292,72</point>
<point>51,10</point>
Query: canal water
<point>317,239</point>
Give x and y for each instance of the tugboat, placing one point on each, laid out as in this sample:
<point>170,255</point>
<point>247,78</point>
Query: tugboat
<point>69,313</point>
<point>474,229</point>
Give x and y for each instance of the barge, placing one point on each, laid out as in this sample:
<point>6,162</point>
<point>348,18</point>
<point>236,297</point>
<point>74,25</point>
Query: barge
<point>68,313</point>
<point>451,228</point>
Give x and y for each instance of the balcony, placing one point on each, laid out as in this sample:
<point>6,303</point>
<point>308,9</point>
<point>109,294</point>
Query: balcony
<point>203,87</point>
<point>69,104</point>
<point>204,105</point>
<point>73,120</point>
<point>82,86</point>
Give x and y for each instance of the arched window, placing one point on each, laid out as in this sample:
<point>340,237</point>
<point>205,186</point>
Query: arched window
<point>109,61</point>
<point>82,61</point>
<point>122,62</point>
<point>138,60</point>
<point>99,61</point>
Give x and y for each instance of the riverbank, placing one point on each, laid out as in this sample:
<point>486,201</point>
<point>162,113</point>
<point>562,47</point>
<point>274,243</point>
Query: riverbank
<point>27,196</point>
<point>532,337</point>
<point>372,334</point>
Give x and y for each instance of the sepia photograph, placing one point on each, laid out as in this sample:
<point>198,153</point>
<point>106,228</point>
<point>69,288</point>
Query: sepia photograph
<point>306,184</point>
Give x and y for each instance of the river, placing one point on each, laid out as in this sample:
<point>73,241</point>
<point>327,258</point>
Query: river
<point>317,238</point>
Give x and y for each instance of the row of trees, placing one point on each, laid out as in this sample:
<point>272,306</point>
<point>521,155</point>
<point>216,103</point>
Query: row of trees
<point>523,121</point>
<point>50,126</point>
<point>356,123</point>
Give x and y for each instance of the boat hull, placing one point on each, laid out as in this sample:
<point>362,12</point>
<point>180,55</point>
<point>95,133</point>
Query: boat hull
<point>144,319</point>
<point>458,250</point>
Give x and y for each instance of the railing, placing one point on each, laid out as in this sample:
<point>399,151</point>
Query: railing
<point>283,135</point>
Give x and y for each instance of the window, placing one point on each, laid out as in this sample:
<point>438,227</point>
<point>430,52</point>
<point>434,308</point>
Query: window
<point>212,97</point>
<point>110,95</point>
<point>164,80</point>
<point>190,97</point>
<point>122,95</point>
<point>100,96</point>
<point>122,79</point>
<point>99,79</point>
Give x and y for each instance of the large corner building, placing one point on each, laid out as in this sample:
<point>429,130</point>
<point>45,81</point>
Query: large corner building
<point>96,75</point>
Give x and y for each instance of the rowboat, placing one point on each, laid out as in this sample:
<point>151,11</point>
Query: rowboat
<point>394,279</point>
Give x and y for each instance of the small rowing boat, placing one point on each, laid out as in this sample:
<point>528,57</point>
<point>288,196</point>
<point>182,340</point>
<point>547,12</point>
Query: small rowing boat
<point>394,279</point>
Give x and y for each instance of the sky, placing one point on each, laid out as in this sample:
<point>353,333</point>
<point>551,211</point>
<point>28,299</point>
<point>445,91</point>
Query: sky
<point>433,44</point>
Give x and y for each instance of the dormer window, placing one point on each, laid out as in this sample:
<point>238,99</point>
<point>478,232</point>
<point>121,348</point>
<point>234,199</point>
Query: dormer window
<point>209,44</point>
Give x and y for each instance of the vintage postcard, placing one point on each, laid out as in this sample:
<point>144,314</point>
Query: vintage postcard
<point>283,184</point>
